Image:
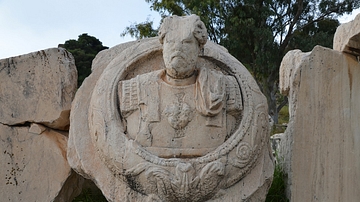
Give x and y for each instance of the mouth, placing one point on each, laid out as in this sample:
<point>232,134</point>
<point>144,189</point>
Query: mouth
<point>177,54</point>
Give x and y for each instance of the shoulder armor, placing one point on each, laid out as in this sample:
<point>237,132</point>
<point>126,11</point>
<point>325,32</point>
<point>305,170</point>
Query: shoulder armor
<point>234,99</point>
<point>128,91</point>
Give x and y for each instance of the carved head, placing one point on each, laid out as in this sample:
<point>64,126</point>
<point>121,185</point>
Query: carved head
<point>182,39</point>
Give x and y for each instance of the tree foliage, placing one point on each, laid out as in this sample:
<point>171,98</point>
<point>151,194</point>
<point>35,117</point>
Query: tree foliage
<point>319,33</point>
<point>141,30</point>
<point>260,32</point>
<point>84,51</point>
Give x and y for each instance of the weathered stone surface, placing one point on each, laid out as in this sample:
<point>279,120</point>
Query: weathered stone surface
<point>289,82</point>
<point>289,66</point>
<point>134,166</point>
<point>38,87</point>
<point>347,37</point>
<point>82,155</point>
<point>34,166</point>
<point>322,153</point>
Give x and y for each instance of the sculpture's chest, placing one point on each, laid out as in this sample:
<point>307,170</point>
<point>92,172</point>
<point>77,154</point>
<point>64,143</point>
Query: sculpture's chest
<point>181,129</point>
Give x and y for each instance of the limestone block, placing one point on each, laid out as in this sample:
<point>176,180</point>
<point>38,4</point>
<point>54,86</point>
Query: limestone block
<point>347,37</point>
<point>34,166</point>
<point>322,158</point>
<point>104,146</point>
<point>38,87</point>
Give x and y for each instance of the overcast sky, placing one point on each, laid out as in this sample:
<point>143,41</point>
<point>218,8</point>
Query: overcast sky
<point>32,25</point>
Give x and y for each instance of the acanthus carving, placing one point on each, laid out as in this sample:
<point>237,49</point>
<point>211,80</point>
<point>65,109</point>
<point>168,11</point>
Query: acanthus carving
<point>184,185</point>
<point>178,114</point>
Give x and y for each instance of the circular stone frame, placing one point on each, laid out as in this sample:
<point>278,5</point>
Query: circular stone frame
<point>107,130</point>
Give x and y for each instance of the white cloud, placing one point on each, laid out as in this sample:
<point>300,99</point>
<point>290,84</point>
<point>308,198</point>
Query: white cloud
<point>350,17</point>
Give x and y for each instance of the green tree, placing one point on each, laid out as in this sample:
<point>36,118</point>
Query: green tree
<point>319,33</point>
<point>84,51</point>
<point>141,30</point>
<point>260,32</point>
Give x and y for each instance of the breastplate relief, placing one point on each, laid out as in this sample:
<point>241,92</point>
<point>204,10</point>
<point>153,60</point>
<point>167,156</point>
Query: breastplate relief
<point>178,114</point>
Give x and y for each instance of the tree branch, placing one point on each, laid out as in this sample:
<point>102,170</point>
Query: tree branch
<point>282,104</point>
<point>291,27</point>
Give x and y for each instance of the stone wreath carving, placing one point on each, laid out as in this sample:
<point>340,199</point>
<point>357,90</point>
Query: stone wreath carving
<point>186,130</point>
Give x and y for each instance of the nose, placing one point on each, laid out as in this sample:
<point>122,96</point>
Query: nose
<point>178,46</point>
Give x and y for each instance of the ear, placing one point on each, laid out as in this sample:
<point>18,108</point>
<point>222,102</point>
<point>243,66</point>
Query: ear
<point>161,37</point>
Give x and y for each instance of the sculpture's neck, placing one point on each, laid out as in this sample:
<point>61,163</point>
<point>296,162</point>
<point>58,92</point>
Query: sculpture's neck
<point>180,82</point>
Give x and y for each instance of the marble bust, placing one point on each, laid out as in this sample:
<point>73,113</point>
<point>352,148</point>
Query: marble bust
<point>184,109</point>
<point>172,118</point>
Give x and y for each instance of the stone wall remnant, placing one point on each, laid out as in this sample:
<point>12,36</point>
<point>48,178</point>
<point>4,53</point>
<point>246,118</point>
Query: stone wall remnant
<point>320,149</point>
<point>34,165</point>
<point>36,91</point>
<point>38,88</point>
<point>172,118</point>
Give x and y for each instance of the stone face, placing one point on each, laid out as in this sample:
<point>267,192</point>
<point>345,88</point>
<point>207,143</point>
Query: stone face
<point>347,37</point>
<point>38,87</point>
<point>321,146</point>
<point>34,166</point>
<point>158,122</point>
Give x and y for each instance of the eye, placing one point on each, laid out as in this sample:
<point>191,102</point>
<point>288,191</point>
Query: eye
<point>187,41</point>
<point>169,40</point>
